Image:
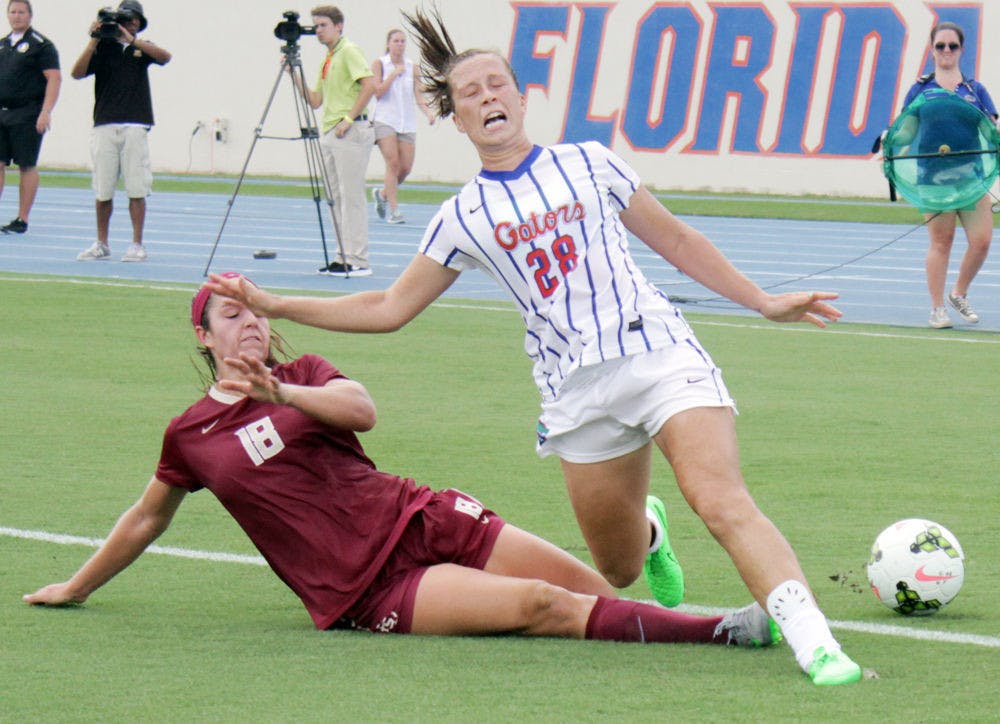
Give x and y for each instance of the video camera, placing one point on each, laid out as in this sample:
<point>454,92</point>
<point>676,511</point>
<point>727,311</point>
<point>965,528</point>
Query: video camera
<point>110,20</point>
<point>290,30</point>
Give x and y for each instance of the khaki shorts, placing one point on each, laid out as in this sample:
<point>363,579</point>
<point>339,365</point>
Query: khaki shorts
<point>121,150</point>
<point>607,410</point>
<point>384,130</point>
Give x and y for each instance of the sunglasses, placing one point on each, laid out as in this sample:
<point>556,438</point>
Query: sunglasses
<point>949,46</point>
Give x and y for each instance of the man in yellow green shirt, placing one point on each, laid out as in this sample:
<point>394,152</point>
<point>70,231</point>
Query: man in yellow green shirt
<point>343,89</point>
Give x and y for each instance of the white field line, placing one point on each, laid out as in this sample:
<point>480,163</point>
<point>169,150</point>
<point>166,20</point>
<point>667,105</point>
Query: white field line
<point>74,540</point>
<point>872,628</point>
<point>882,629</point>
<point>500,307</point>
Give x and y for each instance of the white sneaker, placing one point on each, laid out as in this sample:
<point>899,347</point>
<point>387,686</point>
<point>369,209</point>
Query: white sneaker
<point>964,309</point>
<point>396,218</point>
<point>94,252</point>
<point>136,252</point>
<point>379,199</point>
<point>939,318</point>
<point>749,626</point>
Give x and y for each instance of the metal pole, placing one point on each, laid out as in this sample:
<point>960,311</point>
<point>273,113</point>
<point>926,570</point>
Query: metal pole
<point>309,134</point>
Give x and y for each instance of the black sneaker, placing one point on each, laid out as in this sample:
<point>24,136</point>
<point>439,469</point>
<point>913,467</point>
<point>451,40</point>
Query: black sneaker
<point>338,269</point>
<point>17,226</point>
<point>335,267</point>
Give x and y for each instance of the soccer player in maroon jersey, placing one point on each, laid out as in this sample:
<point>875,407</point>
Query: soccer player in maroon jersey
<point>276,443</point>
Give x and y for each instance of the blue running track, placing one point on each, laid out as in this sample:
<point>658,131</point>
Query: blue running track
<point>879,280</point>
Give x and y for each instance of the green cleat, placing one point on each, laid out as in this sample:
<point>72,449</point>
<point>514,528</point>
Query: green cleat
<point>830,668</point>
<point>663,572</point>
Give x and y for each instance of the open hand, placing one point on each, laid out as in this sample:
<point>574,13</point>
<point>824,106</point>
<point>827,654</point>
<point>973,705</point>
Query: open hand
<point>245,292</point>
<point>801,307</point>
<point>257,382</point>
<point>55,594</point>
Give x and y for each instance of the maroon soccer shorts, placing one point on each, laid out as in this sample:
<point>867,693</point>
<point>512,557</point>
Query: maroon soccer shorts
<point>452,528</point>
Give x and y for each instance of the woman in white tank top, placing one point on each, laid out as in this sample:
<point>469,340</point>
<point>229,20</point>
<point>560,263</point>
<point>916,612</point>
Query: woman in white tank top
<point>396,100</point>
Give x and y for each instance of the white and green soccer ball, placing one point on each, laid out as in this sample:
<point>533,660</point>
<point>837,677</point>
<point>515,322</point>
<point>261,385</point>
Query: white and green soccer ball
<point>916,567</point>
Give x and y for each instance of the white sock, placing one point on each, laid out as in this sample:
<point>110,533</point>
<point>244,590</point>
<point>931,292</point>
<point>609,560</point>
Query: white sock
<point>802,623</point>
<point>657,531</point>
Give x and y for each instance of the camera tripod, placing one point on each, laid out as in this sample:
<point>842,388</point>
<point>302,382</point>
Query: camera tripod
<point>319,180</point>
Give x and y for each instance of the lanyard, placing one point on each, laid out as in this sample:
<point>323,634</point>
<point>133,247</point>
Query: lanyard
<point>329,57</point>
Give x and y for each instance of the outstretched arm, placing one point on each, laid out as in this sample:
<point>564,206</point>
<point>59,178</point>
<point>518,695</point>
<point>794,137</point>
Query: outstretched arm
<point>690,251</point>
<point>139,526</point>
<point>423,281</point>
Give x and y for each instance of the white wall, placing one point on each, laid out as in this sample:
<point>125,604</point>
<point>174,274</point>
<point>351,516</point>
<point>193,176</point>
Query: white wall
<point>226,61</point>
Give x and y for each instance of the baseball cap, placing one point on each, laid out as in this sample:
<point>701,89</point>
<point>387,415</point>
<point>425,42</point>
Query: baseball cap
<point>134,7</point>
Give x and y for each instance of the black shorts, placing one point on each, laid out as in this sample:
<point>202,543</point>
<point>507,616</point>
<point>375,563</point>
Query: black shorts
<point>20,142</point>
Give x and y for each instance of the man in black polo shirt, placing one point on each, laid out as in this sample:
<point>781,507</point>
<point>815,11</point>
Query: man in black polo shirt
<point>29,87</point>
<point>123,115</point>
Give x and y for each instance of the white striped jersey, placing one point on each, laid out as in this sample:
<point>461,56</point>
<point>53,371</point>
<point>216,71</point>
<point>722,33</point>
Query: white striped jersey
<point>548,232</point>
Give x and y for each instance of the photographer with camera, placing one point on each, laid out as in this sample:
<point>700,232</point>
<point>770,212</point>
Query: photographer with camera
<point>343,89</point>
<point>123,114</point>
<point>29,86</point>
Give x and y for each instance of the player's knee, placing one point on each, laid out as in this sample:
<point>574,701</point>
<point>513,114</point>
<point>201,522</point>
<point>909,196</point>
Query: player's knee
<point>726,513</point>
<point>547,608</point>
<point>621,573</point>
<point>980,243</point>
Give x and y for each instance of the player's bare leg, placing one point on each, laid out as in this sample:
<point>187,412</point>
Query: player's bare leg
<point>454,600</point>
<point>701,446</point>
<point>609,499</point>
<point>520,554</point>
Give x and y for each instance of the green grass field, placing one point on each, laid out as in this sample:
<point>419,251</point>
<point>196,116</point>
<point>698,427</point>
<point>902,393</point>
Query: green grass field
<point>843,431</point>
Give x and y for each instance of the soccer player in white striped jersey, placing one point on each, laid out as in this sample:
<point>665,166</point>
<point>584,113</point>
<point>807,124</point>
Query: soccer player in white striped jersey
<point>617,366</point>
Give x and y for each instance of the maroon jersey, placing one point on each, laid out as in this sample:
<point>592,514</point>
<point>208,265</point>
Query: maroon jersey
<point>307,495</point>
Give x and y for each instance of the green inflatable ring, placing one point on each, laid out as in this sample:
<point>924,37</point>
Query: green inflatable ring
<point>942,153</point>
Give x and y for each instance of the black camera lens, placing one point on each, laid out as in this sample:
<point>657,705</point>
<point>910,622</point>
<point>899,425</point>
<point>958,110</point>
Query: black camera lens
<point>108,29</point>
<point>289,29</point>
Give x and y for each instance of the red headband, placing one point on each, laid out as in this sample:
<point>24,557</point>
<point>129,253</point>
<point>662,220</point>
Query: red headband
<point>201,298</point>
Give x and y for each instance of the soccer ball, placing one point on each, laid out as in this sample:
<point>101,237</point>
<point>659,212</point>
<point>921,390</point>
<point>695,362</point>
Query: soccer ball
<point>916,567</point>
